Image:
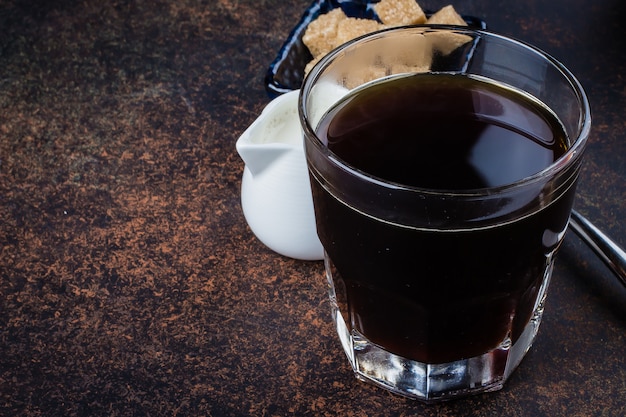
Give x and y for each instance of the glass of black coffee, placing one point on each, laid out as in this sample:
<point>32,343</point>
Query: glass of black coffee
<point>443,165</point>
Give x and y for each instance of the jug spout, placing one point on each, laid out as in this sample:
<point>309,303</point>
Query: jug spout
<point>276,132</point>
<point>259,157</point>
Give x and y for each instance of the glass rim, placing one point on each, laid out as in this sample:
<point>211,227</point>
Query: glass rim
<point>573,152</point>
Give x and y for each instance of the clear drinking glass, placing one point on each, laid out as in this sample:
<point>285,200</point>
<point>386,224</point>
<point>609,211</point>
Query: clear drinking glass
<point>438,293</point>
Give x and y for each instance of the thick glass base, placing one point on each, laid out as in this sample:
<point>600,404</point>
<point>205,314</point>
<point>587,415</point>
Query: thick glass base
<point>435,382</point>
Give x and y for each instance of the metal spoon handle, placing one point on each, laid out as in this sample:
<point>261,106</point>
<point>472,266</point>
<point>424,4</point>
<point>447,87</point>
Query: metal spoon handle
<point>612,255</point>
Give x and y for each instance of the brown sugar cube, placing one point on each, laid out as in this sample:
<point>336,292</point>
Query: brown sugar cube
<point>400,12</point>
<point>321,34</point>
<point>409,69</point>
<point>363,75</point>
<point>351,28</point>
<point>346,30</point>
<point>312,63</point>
<point>408,54</point>
<point>447,16</point>
<point>447,42</point>
<point>412,50</point>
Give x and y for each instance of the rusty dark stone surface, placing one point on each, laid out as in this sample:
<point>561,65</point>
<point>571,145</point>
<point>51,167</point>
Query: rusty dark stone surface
<point>130,284</point>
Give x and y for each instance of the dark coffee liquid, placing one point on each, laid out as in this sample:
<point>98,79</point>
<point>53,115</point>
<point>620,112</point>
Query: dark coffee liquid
<point>443,132</point>
<point>436,296</point>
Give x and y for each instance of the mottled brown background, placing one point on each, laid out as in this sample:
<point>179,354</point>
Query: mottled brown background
<point>130,284</point>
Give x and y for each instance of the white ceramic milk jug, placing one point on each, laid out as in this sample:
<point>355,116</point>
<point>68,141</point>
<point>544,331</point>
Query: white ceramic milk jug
<point>275,189</point>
